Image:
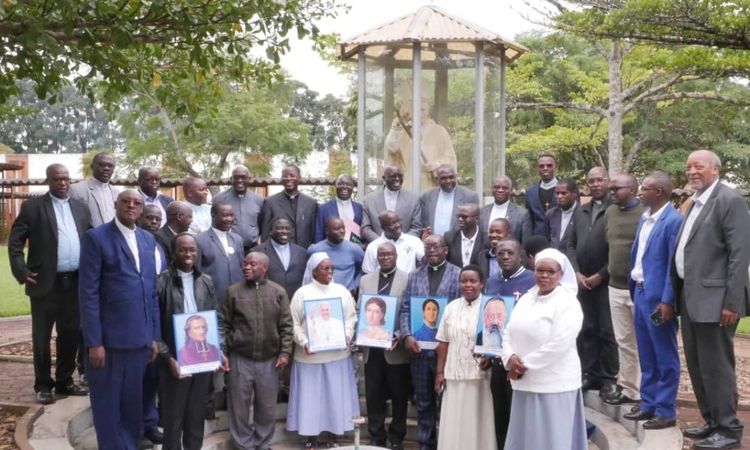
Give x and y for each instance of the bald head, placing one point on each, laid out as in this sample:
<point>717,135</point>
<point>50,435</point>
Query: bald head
<point>656,190</point>
<point>623,188</point>
<point>598,182</point>
<point>179,216</point>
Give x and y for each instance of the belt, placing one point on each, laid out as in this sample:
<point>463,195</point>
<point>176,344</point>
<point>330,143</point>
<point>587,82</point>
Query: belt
<point>66,275</point>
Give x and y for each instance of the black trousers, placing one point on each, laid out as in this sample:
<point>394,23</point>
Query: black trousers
<point>182,408</point>
<point>596,343</point>
<point>709,354</point>
<point>502,394</point>
<point>59,308</point>
<point>383,380</point>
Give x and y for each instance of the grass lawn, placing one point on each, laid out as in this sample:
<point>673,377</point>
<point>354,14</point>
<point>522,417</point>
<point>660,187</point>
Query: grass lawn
<point>744,326</point>
<point>13,301</point>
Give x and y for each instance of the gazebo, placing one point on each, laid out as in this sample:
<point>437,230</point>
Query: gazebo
<point>431,90</point>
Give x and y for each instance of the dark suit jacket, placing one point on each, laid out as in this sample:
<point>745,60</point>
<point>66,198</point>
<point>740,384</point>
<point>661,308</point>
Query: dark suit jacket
<point>717,255</point>
<point>290,279</point>
<point>453,241</point>
<point>536,209</point>
<point>329,209</point>
<point>428,205</point>
<point>224,270</point>
<point>37,224</point>
<point>520,221</point>
<point>407,209</point>
<point>303,223</point>
<point>587,245</point>
<point>552,223</point>
<point>119,305</point>
<point>164,237</point>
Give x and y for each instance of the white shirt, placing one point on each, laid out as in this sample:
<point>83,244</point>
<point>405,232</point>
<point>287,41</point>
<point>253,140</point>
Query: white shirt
<point>129,235</point>
<point>699,201</point>
<point>498,212</point>
<point>391,198</point>
<point>649,220</point>
<point>201,218</point>
<point>409,250</point>
<point>345,208</point>
<point>548,184</point>
<point>224,239</point>
<point>284,253</point>
<point>188,292</point>
<point>458,327</point>
<point>443,212</point>
<point>565,219</point>
<point>467,246</point>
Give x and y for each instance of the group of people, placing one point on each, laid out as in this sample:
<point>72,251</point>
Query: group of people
<point>597,287</point>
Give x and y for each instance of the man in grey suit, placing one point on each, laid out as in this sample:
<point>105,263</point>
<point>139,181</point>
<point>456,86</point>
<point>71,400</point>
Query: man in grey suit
<point>709,276</point>
<point>220,252</point>
<point>394,198</point>
<point>440,205</point>
<point>97,193</point>
<point>386,371</point>
<point>503,208</point>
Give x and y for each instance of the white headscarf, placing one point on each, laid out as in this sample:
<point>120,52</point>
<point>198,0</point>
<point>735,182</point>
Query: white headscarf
<point>312,264</point>
<point>568,278</point>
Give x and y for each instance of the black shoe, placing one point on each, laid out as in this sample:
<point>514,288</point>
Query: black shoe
<point>72,389</point>
<point>717,442</point>
<point>83,381</point>
<point>155,436</point>
<point>639,415</point>
<point>210,414</point>
<point>659,423</point>
<point>618,398</point>
<point>608,390</point>
<point>698,432</point>
<point>45,397</point>
<point>311,444</point>
<point>590,384</point>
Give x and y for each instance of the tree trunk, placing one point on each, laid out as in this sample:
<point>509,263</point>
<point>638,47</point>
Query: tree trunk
<point>615,112</point>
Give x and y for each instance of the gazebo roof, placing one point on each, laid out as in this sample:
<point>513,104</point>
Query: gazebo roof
<point>430,25</point>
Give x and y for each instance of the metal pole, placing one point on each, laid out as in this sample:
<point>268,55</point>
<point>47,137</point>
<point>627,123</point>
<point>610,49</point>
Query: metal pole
<point>479,119</point>
<point>361,94</point>
<point>502,155</point>
<point>416,118</point>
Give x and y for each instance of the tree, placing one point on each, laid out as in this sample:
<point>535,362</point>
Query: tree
<point>113,47</point>
<point>331,128</point>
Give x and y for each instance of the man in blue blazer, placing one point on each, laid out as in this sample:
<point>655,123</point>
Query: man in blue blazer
<point>540,196</point>
<point>651,289</point>
<point>342,207</point>
<point>119,309</point>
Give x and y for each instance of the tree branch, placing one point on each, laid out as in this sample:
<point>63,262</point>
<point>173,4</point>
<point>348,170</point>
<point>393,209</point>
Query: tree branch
<point>564,105</point>
<point>653,90</point>
<point>696,95</point>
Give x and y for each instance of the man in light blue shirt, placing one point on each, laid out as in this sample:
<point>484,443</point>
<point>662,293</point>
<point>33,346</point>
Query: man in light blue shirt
<point>346,256</point>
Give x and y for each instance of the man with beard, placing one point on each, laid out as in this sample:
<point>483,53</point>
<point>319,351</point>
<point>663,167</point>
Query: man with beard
<point>493,321</point>
<point>246,206</point>
<point>148,186</point>
<point>393,198</point>
<point>346,256</point>
<point>344,208</point>
<point>299,209</point>
<point>504,208</point>
<point>558,221</point>
<point>540,197</point>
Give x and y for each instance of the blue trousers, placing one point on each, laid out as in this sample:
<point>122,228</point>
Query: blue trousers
<point>116,392</point>
<point>659,358</point>
<point>150,389</point>
<point>423,368</point>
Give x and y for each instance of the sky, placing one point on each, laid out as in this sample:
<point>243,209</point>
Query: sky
<point>505,17</point>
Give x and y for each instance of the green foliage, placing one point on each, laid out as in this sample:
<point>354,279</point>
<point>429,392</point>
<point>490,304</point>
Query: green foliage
<point>15,302</point>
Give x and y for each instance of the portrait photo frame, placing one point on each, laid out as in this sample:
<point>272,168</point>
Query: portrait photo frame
<point>421,329</point>
<point>197,342</point>
<point>379,334</point>
<point>492,322</point>
<point>324,324</point>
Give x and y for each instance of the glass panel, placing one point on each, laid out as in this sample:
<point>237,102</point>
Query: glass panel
<point>492,124</point>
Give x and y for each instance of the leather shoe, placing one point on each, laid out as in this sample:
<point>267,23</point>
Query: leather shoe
<point>608,390</point>
<point>72,389</point>
<point>618,398</point>
<point>45,397</point>
<point>155,436</point>
<point>659,423</point>
<point>698,432</point>
<point>639,415</point>
<point>717,442</point>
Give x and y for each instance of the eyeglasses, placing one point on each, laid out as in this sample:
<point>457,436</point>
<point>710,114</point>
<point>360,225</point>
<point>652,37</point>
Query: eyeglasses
<point>429,247</point>
<point>593,181</point>
<point>617,188</point>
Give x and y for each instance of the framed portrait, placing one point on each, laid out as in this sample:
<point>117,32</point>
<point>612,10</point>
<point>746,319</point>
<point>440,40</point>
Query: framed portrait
<point>377,320</point>
<point>494,313</point>
<point>196,338</point>
<point>425,318</point>
<point>324,324</point>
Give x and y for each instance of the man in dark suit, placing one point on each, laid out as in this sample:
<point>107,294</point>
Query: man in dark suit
<point>440,205</point>
<point>558,221</point>
<point>149,181</point>
<point>53,226</point>
<point>503,208</point>
<point>588,252</point>
<point>220,251</point>
<point>466,243</point>
<point>499,230</point>
<point>437,278</point>
<point>651,287</point>
<point>299,209</point>
<point>120,321</point>
<point>179,218</point>
<point>386,371</point>
<point>392,197</point>
<point>246,205</point>
<point>709,276</point>
<point>287,260</point>
<point>342,207</point>
<point>540,196</point>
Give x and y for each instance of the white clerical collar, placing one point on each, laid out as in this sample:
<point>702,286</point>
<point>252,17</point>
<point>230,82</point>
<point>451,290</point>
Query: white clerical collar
<point>123,229</point>
<point>470,238</point>
<point>99,183</point>
<point>598,202</point>
<point>219,232</point>
<point>548,184</point>
<point>569,210</point>
<point>437,267</point>
<point>388,274</point>
<point>61,201</point>
<point>184,274</point>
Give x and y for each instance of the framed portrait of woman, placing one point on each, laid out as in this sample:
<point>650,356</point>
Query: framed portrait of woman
<point>494,313</point>
<point>377,320</point>
<point>425,318</point>
<point>197,342</point>
<point>324,324</point>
